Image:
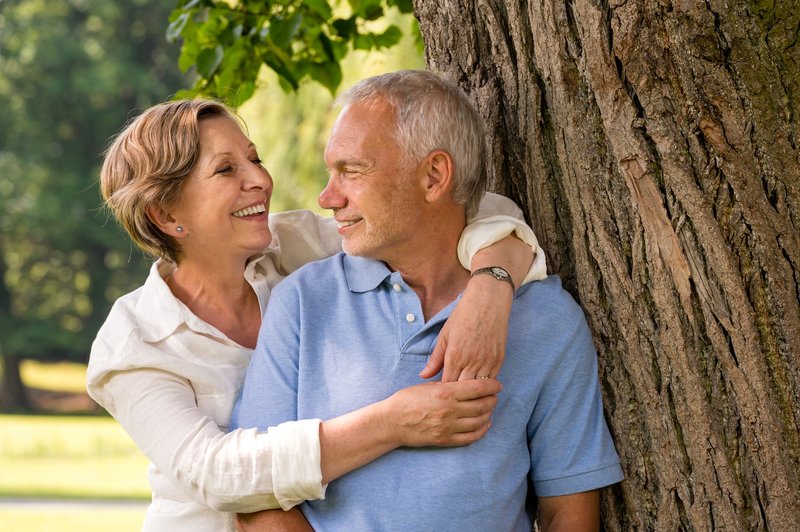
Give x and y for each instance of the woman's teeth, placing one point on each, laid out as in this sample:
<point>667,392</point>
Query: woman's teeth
<point>249,211</point>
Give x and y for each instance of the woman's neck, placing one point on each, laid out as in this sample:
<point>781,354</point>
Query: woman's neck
<point>219,295</point>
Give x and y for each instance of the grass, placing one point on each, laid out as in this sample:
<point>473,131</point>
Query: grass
<point>69,519</point>
<point>68,458</point>
<point>54,376</point>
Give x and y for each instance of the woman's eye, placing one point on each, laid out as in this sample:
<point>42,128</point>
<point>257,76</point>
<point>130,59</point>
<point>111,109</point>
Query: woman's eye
<point>256,161</point>
<point>224,170</point>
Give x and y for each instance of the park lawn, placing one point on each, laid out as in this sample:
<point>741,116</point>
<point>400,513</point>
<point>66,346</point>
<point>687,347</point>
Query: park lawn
<point>69,457</point>
<point>54,376</point>
<point>71,519</point>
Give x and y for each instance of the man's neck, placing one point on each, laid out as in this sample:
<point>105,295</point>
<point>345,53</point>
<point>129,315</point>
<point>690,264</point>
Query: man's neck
<point>432,269</point>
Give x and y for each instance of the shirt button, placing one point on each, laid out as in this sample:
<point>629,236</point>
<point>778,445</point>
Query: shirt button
<point>397,287</point>
<point>410,318</point>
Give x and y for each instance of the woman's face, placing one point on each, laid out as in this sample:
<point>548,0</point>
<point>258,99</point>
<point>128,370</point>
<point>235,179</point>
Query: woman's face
<point>224,205</point>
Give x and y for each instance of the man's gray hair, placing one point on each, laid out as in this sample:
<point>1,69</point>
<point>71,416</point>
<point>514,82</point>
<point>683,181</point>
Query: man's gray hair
<point>432,113</point>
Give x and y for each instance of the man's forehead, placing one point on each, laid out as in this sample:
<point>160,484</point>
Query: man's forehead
<point>357,125</point>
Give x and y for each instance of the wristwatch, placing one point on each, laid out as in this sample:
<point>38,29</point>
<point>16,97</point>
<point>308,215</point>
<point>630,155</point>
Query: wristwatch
<point>498,273</point>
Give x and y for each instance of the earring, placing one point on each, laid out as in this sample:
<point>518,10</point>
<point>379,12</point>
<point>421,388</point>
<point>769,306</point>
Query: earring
<point>179,229</point>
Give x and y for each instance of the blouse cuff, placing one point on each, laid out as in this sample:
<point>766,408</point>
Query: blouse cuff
<point>296,468</point>
<point>483,233</point>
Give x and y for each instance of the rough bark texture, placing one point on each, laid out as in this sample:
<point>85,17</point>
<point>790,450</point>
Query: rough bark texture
<point>654,145</point>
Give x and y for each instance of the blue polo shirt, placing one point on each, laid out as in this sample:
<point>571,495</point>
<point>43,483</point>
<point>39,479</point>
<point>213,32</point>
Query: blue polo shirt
<point>346,332</point>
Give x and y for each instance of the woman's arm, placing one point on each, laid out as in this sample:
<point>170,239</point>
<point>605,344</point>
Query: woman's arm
<point>440,414</point>
<point>472,342</point>
<point>299,237</point>
<point>227,472</point>
<point>246,470</point>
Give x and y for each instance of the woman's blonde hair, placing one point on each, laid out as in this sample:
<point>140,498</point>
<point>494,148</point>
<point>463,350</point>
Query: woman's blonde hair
<point>147,164</point>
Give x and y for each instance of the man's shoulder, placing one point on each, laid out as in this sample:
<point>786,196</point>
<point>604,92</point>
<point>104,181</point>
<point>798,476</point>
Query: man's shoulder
<point>545,309</point>
<point>546,296</point>
<point>314,277</point>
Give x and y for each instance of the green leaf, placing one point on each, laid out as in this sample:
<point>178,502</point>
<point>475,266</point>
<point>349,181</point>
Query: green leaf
<point>344,28</point>
<point>208,60</point>
<point>229,73</point>
<point>327,46</point>
<point>241,94</point>
<point>176,27</point>
<point>282,70</point>
<point>361,8</point>
<point>281,30</point>
<point>388,38</point>
<point>373,12</point>
<point>320,7</point>
<point>405,6</point>
<point>328,74</point>
<point>184,94</point>
<point>364,41</point>
<point>188,56</point>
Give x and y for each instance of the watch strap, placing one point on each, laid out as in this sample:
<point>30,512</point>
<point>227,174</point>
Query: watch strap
<point>498,273</point>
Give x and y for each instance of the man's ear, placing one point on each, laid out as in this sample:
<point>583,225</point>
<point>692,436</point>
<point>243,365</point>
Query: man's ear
<point>164,221</point>
<point>438,175</point>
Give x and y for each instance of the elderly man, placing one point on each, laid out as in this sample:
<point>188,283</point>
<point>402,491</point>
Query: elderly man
<point>406,155</point>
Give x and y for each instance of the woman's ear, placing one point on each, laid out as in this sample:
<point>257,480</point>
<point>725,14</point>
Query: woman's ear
<point>438,175</point>
<point>165,221</point>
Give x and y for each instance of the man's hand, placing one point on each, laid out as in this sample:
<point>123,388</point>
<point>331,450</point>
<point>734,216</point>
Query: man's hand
<point>579,512</point>
<point>290,521</point>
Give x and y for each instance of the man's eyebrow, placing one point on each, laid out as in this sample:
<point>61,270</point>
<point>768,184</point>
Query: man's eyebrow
<point>358,163</point>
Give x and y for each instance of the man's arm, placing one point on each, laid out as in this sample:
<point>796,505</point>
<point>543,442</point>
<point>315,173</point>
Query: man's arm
<point>290,521</point>
<point>572,453</point>
<point>579,512</point>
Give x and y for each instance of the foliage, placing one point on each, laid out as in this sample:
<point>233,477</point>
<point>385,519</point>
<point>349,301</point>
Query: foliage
<point>226,43</point>
<point>70,72</point>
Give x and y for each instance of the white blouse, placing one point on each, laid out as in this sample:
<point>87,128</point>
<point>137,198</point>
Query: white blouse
<point>171,379</point>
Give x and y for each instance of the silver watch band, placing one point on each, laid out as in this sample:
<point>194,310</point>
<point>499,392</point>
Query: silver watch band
<point>498,273</point>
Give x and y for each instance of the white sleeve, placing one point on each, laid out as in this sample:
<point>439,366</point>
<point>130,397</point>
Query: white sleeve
<point>498,217</point>
<point>299,237</point>
<point>240,471</point>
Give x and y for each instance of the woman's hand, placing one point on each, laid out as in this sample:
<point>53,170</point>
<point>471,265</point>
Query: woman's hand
<point>442,414</point>
<point>472,343</point>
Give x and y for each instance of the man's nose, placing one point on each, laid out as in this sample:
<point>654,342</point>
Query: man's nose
<point>331,196</point>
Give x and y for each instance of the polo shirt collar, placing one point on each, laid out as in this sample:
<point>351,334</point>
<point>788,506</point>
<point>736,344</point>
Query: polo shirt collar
<point>363,274</point>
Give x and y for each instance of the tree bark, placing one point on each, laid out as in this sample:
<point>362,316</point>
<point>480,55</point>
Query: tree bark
<point>13,394</point>
<point>654,146</point>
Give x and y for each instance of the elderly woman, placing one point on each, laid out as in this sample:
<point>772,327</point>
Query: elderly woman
<point>188,186</point>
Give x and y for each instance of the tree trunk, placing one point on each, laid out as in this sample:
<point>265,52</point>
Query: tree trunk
<point>13,396</point>
<point>654,146</point>
<point>12,389</point>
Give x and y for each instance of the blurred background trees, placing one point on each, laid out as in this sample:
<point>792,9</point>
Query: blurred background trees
<point>70,73</point>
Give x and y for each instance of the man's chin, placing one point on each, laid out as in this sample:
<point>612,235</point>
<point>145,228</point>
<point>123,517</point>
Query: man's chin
<point>355,249</point>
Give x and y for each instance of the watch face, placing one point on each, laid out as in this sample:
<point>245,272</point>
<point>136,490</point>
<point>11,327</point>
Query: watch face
<point>498,271</point>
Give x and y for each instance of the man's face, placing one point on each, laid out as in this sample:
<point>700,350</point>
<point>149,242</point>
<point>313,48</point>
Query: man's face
<point>374,196</point>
